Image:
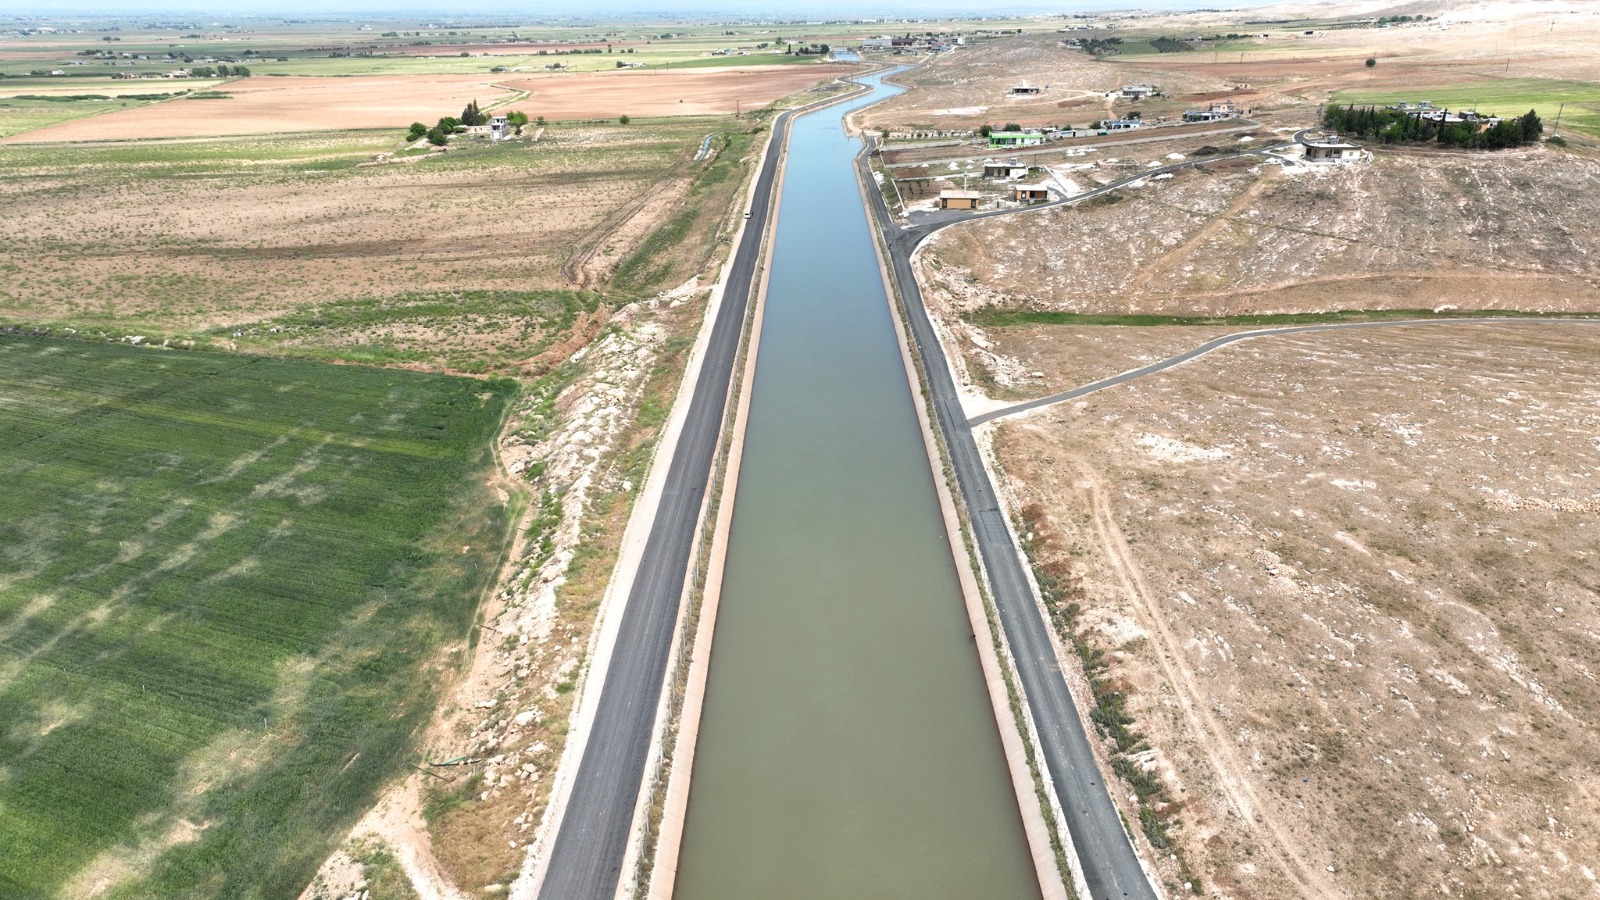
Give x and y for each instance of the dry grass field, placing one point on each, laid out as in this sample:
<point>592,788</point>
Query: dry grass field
<point>293,244</point>
<point>1347,587</point>
<point>967,87</point>
<point>300,104</point>
<point>1508,56</point>
<point>277,105</point>
<point>1333,596</point>
<point>1413,230</point>
<point>695,92</point>
<point>579,261</point>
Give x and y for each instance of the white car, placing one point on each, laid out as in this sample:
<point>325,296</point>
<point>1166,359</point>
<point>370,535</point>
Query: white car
<point>747,214</point>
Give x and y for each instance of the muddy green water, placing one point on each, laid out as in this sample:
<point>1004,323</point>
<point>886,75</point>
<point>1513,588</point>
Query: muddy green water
<point>847,747</point>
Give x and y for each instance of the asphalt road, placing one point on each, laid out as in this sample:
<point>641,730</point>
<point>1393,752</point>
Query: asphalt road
<point>1110,866</point>
<point>1227,339</point>
<point>586,858</point>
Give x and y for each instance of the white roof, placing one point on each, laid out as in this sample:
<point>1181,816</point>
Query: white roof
<point>960,195</point>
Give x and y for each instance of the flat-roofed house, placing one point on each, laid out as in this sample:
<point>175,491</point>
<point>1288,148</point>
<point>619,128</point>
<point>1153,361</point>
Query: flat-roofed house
<point>1030,193</point>
<point>959,199</point>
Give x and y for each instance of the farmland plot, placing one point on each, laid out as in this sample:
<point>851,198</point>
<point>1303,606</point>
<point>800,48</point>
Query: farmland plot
<point>228,587</point>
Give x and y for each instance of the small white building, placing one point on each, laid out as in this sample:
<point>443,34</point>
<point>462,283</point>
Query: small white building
<point>499,128</point>
<point>959,199</point>
<point>1138,91</point>
<point>1010,170</point>
<point>1332,148</point>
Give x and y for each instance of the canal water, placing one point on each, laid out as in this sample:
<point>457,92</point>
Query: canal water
<point>847,747</point>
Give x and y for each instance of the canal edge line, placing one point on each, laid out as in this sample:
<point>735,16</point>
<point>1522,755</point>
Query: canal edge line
<point>1025,777</point>
<point>663,862</point>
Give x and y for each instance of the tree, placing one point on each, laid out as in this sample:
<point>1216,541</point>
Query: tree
<point>473,116</point>
<point>539,121</point>
<point>623,120</point>
<point>517,118</point>
<point>448,124</point>
<point>1371,62</point>
<point>416,131</point>
<point>1531,127</point>
<point>985,130</point>
<point>1012,126</point>
<point>436,136</point>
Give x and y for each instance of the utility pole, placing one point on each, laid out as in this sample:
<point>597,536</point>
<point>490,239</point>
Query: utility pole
<point>1559,111</point>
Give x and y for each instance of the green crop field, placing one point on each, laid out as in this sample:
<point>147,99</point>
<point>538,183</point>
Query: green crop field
<point>1505,97</point>
<point>19,114</point>
<point>228,588</point>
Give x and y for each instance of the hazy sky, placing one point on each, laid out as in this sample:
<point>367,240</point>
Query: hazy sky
<point>587,8</point>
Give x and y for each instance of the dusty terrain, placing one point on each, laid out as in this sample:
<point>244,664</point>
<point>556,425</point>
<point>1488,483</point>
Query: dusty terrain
<point>263,105</point>
<point>288,104</point>
<point>704,91</point>
<point>1278,71</point>
<point>1409,231</point>
<point>1337,591</point>
<point>1348,586</point>
<point>967,87</point>
<point>1466,44</point>
<point>292,244</point>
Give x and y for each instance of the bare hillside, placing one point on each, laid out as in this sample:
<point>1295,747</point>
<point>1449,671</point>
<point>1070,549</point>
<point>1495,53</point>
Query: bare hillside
<point>1347,584</point>
<point>1411,230</point>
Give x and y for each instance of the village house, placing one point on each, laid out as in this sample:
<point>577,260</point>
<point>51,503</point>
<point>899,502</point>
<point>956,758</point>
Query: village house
<point>959,199</point>
<point>1030,193</point>
<point>499,128</point>
<point>1014,139</point>
<point>1025,90</point>
<point>1332,148</point>
<point>1010,170</point>
<point>1219,110</point>
<point>1121,124</point>
<point>1138,91</point>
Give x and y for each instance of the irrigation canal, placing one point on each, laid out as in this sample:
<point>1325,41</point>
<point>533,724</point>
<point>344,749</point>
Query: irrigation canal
<point>847,747</point>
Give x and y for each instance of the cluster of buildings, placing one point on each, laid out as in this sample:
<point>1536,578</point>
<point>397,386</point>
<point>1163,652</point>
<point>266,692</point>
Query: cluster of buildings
<point>1010,170</point>
<point>919,43</point>
<point>141,76</point>
<point>1217,111</point>
<point>1424,109</point>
